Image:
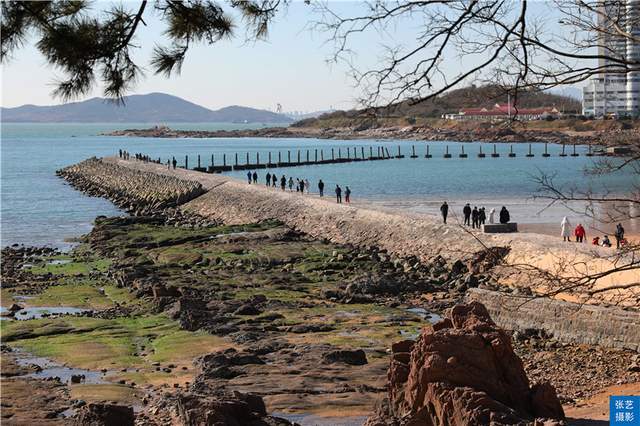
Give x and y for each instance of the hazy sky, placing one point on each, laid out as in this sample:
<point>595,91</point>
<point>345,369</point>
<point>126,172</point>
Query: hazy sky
<point>289,68</point>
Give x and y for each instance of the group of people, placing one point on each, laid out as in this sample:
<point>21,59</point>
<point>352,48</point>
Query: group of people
<point>476,217</point>
<point>581,235</point>
<point>125,155</point>
<point>301,185</point>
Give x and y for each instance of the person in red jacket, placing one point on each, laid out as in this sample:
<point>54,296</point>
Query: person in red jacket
<point>580,233</point>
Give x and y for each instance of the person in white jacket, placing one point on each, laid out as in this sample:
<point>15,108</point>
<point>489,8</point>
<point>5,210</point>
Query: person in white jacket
<point>566,229</point>
<point>492,213</point>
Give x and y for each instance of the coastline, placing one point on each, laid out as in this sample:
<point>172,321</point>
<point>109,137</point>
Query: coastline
<point>498,134</point>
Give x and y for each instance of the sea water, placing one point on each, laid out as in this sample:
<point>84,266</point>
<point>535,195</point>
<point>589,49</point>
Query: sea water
<point>38,208</point>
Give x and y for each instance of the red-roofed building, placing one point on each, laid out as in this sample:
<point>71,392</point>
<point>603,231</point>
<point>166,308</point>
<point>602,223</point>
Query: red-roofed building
<point>502,112</point>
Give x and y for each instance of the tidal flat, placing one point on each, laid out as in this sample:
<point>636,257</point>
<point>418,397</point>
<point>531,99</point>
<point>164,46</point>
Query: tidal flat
<point>155,309</point>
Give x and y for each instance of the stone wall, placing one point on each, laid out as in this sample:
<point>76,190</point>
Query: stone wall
<point>568,322</point>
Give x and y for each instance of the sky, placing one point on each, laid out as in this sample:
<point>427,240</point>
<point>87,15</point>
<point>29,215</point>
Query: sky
<point>289,68</point>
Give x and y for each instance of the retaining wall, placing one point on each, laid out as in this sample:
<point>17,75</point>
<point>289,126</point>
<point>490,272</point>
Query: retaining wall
<point>568,322</point>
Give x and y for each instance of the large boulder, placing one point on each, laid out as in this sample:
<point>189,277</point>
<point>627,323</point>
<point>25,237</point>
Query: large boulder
<point>463,372</point>
<point>104,415</point>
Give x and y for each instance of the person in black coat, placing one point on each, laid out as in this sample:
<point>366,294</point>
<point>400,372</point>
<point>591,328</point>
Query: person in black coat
<point>338,194</point>
<point>444,209</point>
<point>504,215</point>
<point>467,214</point>
<point>482,216</point>
<point>321,187</point>
<point>474,217</point>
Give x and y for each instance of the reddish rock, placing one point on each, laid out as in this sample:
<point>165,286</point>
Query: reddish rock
<point>464,372</point>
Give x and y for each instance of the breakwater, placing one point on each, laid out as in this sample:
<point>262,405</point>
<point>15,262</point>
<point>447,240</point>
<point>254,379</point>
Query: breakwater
<point>138,192</point>
<point>596,325</point>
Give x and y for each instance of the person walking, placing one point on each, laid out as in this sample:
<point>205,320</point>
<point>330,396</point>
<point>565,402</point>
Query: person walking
<point>619,235</point>
<point>321,187</point>
<point>290,184</point>
<point>467,214</point>
<point>474,217</point>
<point>274,180</point>
<point>302,186</point>
<point>565,229</point>
<point>482,217</point>
<point>283,182</point>
<point>505,217</point>
<point>120,153</point>
<point>255,177</point>
<point>338,194</point>
<point>249,177</point>
<point>492,214</point>
<point>580,233</point>
<point>175,163</point>
<point>347,195</point>
<point>306,185</point>
<point>444,210</point>
<point>268,179</point>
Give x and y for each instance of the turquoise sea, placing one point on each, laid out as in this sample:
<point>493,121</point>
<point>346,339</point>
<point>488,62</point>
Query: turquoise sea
<point>38,208</point>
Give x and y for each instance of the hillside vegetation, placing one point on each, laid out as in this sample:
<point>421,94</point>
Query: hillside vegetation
<point>405,113</point>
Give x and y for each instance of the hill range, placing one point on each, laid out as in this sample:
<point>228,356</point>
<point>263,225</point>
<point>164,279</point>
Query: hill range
<point>150,108</point>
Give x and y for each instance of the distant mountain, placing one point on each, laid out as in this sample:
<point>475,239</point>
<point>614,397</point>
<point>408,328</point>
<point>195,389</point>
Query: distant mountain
<point>154,108</point>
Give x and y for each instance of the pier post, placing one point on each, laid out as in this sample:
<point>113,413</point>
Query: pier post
<point>270,158</point>
<point>427,155</point>
<point>307,156</point>
<point>198,160</point>
<point>530,154</point>
<point>511,153</point>
<point>322,155</point>
<point>481,154</point>
<point>589,154</point>
<point>211,160</point>
<point>348,153</point>
<point>236,158</point>
<point>399,154</point>
<point>339,154</point>
<point>186,162</point>
<point>562,154</point>
<point>316,155</point>
<point>288,156</point>
<point>247,158</point>
<point>462,154</point>
<point>446,153</point>
<point>279,157</point>
<point>224,159</point>
<point>575,154</point>
<point>413,151</point>
<point>546,154</point>
<point>370,152</point>
<point>298,156</point>
<point>362,149</point>
<point>495,152</point>
<point>332,155</point>
<point>258,158</point>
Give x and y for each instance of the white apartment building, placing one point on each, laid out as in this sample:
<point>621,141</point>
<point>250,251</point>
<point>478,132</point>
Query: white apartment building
<point>616,92</point>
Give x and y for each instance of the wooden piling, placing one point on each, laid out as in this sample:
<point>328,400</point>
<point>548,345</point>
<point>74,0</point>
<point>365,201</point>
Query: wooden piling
<point>186,162</point>
<point>481,154</point>
<point>236,158</point>
<point>427,155</point>
<point>198,160</point>
<point>289,157</point>
<point>224,159</point>
<point>462,154</point>
<point>511,153</point>
<point>495,152</point>
<point>307,156</point>
<point>298,156</point>
<point>316,155</point>
<point>530,154</point>
<point>575,154</point>
<point>446,153</point>
<point>362,149</point>
<point>257,158</point>
<point>562,154</point>
<point>546,153</point>
<point>413,151</point>
<point>247,162</point>
<point>589,153</point>
<point>332,155</point>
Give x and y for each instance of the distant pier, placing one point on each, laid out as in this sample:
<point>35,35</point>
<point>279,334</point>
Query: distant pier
<point>304,157</point>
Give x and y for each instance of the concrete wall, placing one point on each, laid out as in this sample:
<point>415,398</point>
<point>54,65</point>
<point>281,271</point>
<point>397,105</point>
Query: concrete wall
<point>568,322</point>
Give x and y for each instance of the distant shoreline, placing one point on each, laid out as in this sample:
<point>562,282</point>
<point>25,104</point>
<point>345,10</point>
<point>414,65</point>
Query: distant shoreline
<point>498,135</point>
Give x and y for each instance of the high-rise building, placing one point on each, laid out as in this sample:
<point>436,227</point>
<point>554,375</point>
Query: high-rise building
<point>616,90</point>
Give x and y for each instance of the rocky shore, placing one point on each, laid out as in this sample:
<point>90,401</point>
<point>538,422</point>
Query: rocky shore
<point>480,134</point>
<point>221,308</point>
